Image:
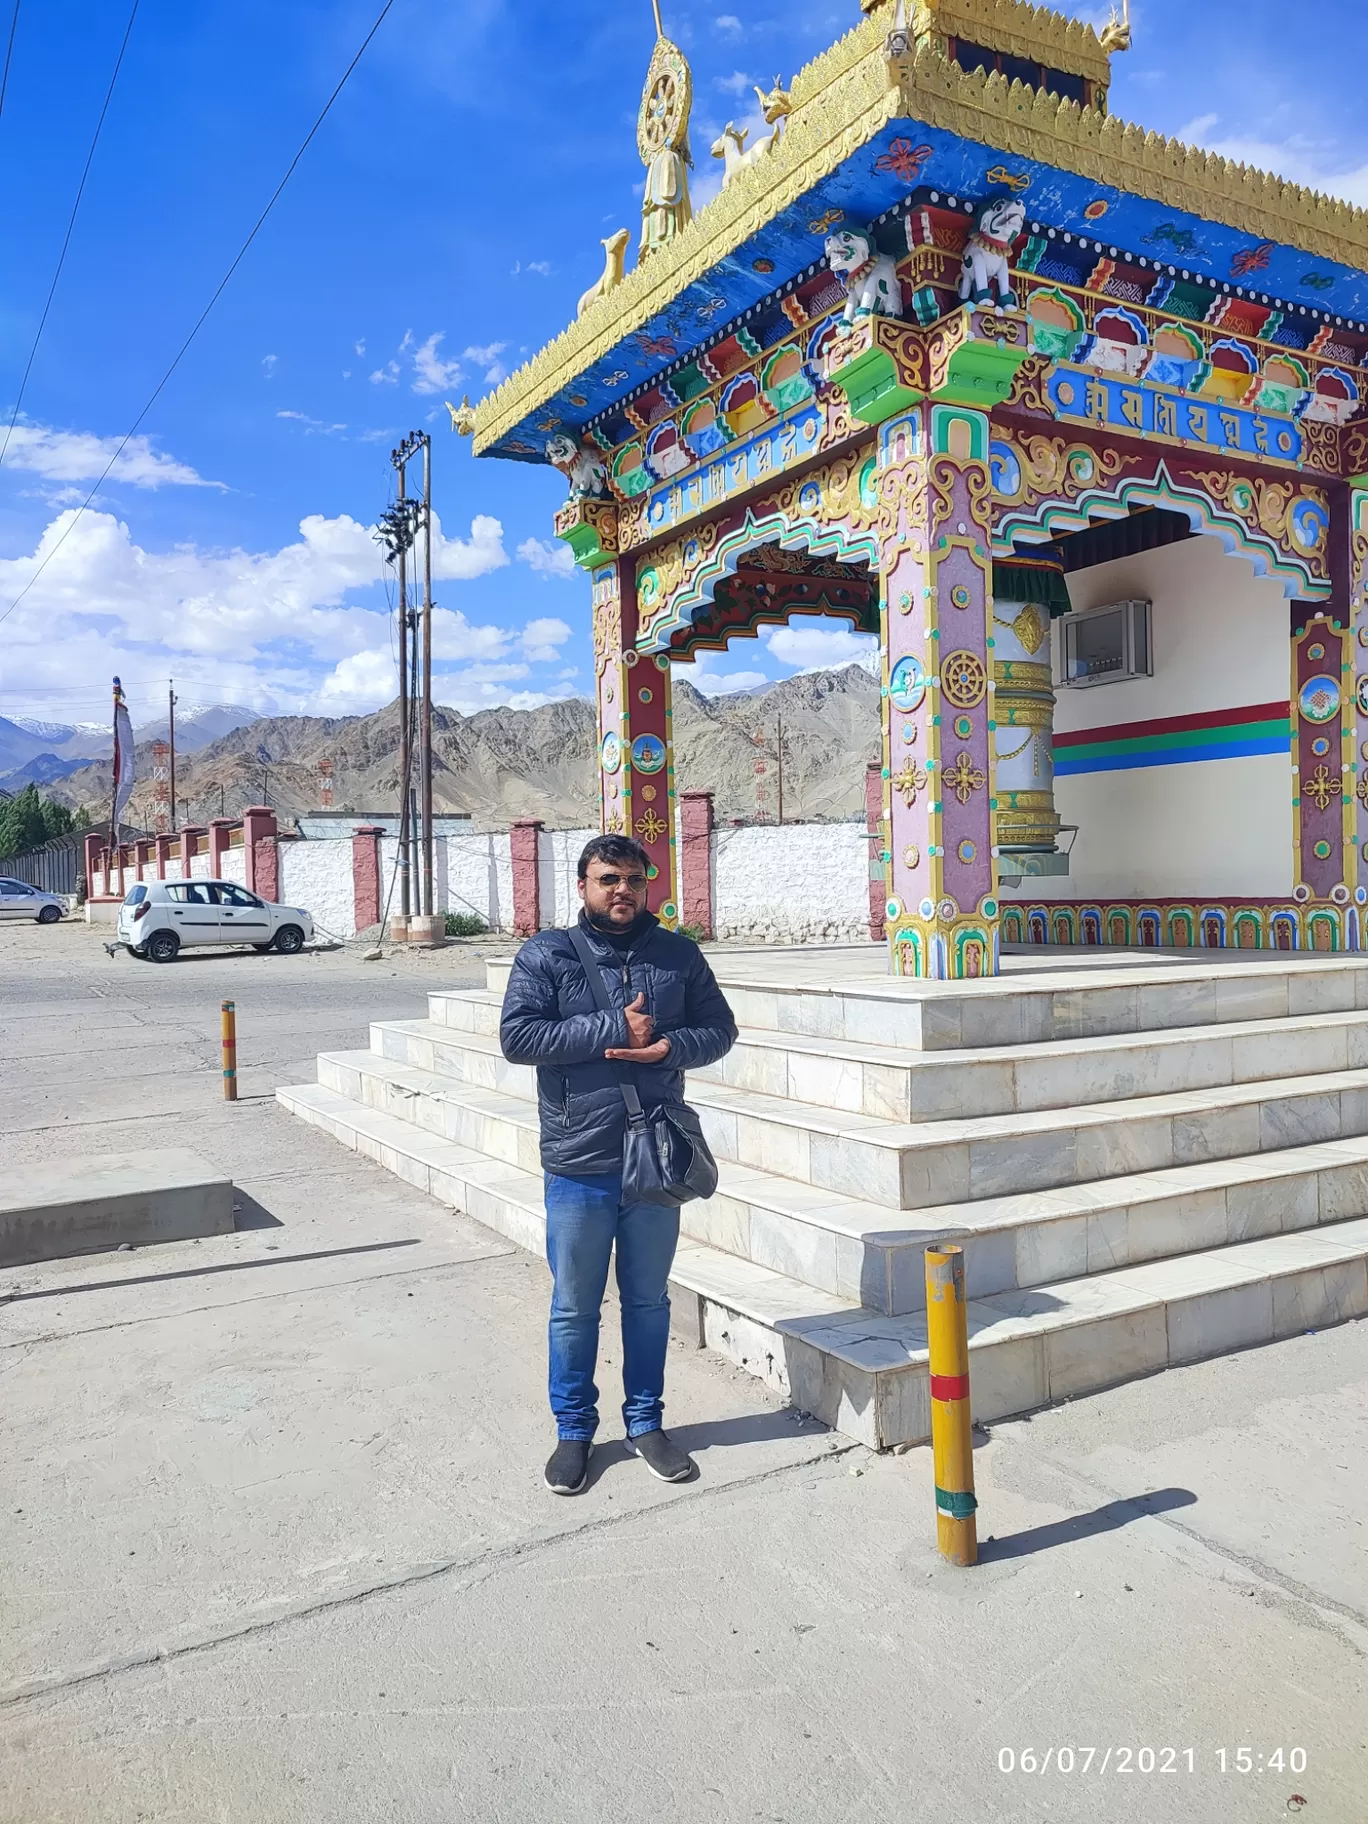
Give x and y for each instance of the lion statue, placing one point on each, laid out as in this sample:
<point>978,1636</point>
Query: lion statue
<point>582,467</point>
<point>998,221</point>
<point>873,288</point>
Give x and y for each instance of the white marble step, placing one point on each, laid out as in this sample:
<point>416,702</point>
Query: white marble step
<point>895,1084</point>
<point>856,1248</point>
<point>866,1373</point>
<point>1036,1009</point>
<point>916,1165</point>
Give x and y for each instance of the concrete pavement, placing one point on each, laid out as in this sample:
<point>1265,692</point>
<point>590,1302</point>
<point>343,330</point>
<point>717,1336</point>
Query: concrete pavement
<point>274,1544</point>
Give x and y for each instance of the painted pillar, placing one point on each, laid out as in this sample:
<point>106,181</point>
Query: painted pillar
<point>1322,752</point>
<point>695,861</point>
<point>524,843</point>
<point>94,874</point>
<point>1024,705</point>
<point>142,855</point>
<point>259,850</point>
<point>164,844</point>
<point>1350,535</point>
<point>367,899</point>
<point>190,833</point>
<point>218,844</point>
<point>878,849</point>
<point>942,912</point>
<point>635,733</point>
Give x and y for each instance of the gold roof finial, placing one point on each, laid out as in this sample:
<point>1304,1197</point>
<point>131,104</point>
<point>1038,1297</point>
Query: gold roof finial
<point>660,29</point>
<point>1116,33</point>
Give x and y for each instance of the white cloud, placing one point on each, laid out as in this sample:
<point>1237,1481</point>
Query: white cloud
<point>268,365</point>
<point>815,646</point>
<point>488,358</point>
<point>735,84</point>
<point>728,22</point>
<point>360,346</point>
<point>82,456</point>
<point>276,630</point>
<point>1298,157</point>
<point>709,685</point>
<point>388,375</point>
<point>434,374</point>
<point>547,556</point>
<point>542,268</point>
<point>542,640</point>
<point>314,427</point>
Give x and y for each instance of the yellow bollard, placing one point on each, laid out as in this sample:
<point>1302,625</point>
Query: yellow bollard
<point>230,1051</point>
<point>952,1444</point>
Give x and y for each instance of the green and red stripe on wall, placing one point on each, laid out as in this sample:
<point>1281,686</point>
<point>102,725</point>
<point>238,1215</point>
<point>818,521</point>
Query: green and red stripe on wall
<point>1217,734</point>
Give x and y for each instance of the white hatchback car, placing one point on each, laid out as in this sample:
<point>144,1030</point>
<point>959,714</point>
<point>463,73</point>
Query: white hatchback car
<point>19,900</point>
<point>159,918</point>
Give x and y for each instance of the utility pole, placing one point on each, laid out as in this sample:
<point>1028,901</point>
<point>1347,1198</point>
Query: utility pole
<point>779,751</point>
<point>171,738</point>
<point>426,732</point>
<point>400,460</point>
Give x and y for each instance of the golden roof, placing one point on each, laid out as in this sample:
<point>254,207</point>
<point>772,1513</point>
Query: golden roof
<point>846,96</point>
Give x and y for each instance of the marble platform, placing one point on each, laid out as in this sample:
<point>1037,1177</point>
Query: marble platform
<point>1147,1157</point>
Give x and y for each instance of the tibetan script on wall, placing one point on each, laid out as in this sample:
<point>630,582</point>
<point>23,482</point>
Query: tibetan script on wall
<point>1133,409</point>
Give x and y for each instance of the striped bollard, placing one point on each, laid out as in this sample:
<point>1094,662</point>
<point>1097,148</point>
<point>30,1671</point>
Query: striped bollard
<point>230,1051</point>
<point>952,1445</point>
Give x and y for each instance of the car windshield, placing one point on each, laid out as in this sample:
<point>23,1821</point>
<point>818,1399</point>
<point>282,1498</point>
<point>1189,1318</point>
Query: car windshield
<point>135,895</point>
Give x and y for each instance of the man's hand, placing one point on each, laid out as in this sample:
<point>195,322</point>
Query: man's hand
<point>644,1054</point>
<point>640,1025</point>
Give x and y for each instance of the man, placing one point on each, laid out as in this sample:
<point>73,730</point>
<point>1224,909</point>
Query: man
<point>669,1016</point>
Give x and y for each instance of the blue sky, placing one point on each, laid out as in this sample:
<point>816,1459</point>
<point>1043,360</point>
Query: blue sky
<point>441,228</point>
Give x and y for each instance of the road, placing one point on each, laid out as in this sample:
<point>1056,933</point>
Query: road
<point>274,1546</point>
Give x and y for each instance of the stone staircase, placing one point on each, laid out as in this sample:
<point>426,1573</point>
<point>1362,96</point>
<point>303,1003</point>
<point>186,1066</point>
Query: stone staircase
<point>1146,1162</point>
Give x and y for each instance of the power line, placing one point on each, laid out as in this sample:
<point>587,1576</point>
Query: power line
<point>71,224</point>
<point>203,316</point>
<point>9,52</point>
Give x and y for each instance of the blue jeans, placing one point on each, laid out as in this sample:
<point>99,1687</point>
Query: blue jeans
<point>585,1217</point>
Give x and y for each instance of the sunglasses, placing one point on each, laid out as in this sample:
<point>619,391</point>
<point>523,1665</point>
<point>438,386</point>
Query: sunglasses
<point>635,883</point>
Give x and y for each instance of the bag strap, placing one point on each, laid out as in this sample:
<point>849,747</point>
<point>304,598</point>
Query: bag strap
<point>585,951</point>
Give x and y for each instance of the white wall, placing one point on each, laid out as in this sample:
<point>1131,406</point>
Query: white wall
<point>235,866</point>
<point>173,868</point>
<point>558,874</point>
<point>199,867</point>
<point>793,882</point>
<point>1219,829</point>
<point>474,873</point>
<point>318,877</point>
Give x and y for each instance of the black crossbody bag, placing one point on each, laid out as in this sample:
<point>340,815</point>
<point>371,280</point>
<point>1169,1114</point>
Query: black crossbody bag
<point>665,1158</point>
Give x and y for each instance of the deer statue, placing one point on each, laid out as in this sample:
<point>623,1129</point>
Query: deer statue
<point>776,106</point>
<point>615,249</point>
<point>1116,33</point>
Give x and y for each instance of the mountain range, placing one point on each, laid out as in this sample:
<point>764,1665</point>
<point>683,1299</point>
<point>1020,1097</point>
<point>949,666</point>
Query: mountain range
<point>31,749</point>
<point>502,764</point>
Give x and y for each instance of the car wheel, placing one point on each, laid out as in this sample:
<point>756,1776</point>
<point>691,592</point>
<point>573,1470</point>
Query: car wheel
<point>289,940</point>
<point>49,915</point>
<point>162,946</point>
<point>261,948</point>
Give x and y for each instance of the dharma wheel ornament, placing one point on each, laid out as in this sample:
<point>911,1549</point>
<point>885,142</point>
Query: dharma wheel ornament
<point>663,142</point>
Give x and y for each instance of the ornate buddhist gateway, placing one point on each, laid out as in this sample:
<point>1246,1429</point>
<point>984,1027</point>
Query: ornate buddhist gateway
<point>1069,415</point>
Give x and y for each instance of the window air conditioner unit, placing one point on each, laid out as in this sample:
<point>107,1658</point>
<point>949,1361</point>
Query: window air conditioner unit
<point>1104,646</point>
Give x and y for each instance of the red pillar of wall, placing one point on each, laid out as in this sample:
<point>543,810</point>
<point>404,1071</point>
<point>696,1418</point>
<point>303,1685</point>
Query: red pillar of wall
<point>93,862</point>
<point>366,898</point>
<point>218,844</point>
<point>259,844</point>
<point>524,841</point>
<point>163,854</point>
<point>874,823</point>
<point>695,861</point>
<point>187,846</point>
<point>142,854</point>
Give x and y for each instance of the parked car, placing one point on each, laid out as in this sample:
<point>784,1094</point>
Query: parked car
<point>19,900</point>
<point>159,918</point>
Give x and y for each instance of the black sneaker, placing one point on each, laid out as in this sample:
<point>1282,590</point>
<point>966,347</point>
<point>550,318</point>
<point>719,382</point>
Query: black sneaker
<point>568,1470</point>
<point>662,1456</point>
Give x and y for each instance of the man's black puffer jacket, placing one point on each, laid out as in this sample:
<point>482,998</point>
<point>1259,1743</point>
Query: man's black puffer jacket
<point>550,1019</point>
